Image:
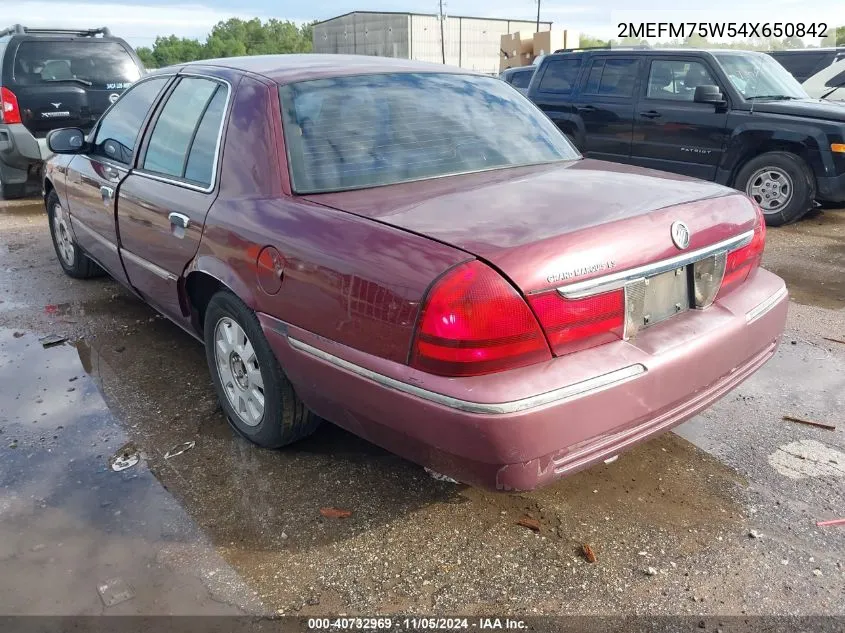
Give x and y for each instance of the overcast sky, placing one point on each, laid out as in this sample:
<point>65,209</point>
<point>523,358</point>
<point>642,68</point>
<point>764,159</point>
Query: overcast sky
<point>140,22</point>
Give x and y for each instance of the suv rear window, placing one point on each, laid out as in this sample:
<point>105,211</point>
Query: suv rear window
<point>98,64</point>
<point>560,75</point>
<point>521,79</point>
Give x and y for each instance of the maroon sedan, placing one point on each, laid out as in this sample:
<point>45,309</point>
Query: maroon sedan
<point>417,254</point>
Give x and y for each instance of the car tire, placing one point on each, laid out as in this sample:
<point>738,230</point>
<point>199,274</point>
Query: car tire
<point>781,183</point>
<point>256,396</point>
<point>72,259</point>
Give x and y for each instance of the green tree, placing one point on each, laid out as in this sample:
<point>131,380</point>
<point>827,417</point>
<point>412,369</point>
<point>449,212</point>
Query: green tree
<point>835,37</point>
<point>587,41</point>
<point>146,55</point>
<point>174,50</point>
<point>231,38</point>
<point>253,37</point>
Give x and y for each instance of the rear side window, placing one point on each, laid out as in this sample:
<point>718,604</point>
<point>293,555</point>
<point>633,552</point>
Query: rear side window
<point>613,77</point>
<point>522,79</point>
<point>201,159</point>
<point>120,126</point>
<point>560,75</point>
<point>104,65</point>
<point>178,128</point>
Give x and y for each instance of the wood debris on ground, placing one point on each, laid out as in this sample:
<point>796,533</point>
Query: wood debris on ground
<point>335,513</point>
<point>821,425</point>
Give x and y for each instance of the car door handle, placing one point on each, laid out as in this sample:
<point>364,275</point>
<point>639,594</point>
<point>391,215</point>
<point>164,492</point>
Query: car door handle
<point>107,193</point>
<point>586,108</point>
<point>651,114</point>
<point>179,219</point>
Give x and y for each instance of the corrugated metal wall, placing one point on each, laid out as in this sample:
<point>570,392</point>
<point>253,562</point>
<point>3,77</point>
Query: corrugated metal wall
<point>382,34</point>
<point>471,43</point>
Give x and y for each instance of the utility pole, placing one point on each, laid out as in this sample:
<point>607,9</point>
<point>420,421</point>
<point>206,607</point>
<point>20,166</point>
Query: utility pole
<point>442,39</point>
<point>537,30</point>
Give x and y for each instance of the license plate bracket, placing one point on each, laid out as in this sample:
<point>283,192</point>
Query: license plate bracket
<point>650,300</point>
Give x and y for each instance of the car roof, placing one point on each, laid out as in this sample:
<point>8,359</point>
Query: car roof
<point>655,51</point>
<point>301,67</point>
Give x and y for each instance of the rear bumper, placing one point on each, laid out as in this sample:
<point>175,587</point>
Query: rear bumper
<point>525,428</point>
<point>18,150</point>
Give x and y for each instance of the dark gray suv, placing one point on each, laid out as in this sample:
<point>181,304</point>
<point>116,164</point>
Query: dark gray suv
<point>51,79</point>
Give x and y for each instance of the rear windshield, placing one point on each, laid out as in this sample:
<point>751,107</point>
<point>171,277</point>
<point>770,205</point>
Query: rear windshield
<point>521,79</point>
<point>372,130</point>
<point>93,63</point>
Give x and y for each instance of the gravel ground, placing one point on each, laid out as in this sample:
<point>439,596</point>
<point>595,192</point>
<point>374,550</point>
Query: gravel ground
<point>229,526</point>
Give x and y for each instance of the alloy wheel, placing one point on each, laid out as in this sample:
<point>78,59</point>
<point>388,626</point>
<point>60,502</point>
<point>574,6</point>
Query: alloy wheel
<point>771,187</point>
<point>239,371</point>
<point>61,231</point>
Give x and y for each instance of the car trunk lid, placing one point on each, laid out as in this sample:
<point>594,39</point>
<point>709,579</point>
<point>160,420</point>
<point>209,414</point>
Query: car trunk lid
<point>548,226</point>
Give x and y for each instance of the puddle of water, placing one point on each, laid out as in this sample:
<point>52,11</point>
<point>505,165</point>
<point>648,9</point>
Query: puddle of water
<point>62,507</point>
<point>22,207</point>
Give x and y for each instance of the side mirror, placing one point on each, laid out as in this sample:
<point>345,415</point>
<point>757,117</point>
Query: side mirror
<point>708,94</point>
<point>69,140</point>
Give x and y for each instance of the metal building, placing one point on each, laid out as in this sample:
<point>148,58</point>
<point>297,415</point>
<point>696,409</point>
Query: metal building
<point>471,43</point>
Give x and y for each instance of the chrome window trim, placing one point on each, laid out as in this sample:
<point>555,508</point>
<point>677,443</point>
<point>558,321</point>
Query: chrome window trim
<point>216,172</point>
<point>92,135</point>
<point>764,306</point>
<point>617,280</point>
<point>148,265</point>
<point>78,224</point>
<point>576,390</point>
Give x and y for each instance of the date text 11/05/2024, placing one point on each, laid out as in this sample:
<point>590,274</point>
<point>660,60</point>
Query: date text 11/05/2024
<point>683,30</point>
<point>415,624</point>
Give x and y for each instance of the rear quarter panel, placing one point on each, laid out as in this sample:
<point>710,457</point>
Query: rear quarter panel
<point>346,278</point>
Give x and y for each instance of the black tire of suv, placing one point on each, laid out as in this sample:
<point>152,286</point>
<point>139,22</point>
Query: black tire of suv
<point>83,266</point>
<point>285,419</point>
<point>803,184</point>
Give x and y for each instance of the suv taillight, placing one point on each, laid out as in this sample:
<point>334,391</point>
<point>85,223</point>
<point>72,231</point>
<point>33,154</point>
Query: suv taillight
<point>743,261</point>
<point>9,110</point>
<point>474,322</point>
<point>575,324</point>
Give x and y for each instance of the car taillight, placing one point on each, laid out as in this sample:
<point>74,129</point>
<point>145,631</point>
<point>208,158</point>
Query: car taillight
<point>474,322</point>
<point>9,110</point>
<point>743,261</point>
<point>575,324</point>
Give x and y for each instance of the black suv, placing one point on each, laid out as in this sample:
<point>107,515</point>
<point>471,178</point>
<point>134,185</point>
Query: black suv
<point>51,79</point>
<point>734,117</point>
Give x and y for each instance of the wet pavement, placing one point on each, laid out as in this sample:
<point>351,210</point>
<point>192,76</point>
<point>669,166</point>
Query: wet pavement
<point>226,527</point>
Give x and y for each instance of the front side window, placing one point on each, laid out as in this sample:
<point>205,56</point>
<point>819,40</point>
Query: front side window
<point>192,114</point>
<point>102,65</point>
<point>613,77</point>
<point>119,127</point>
<point>677,79</point>
<point>759,76</point>
<point>560,75</point>
<point>373,130</point>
